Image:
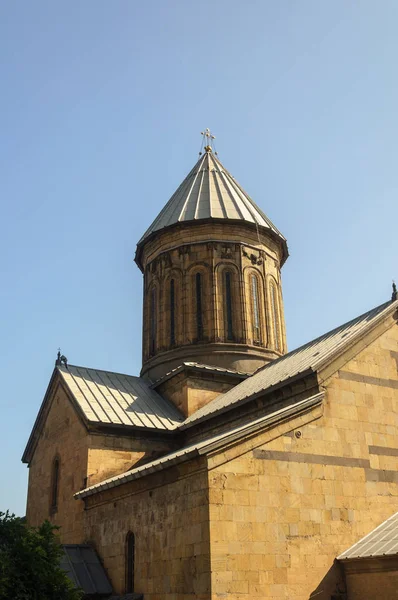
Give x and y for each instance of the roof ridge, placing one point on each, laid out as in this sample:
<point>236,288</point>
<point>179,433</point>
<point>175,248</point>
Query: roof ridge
<point>324,335</point>
<point>249,198</point>
<point>63,369</point>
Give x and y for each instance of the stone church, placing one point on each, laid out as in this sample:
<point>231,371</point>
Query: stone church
<point>228,469</point>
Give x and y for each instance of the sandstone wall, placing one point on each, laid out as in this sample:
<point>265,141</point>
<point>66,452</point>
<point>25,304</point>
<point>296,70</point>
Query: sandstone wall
<point>380,582</point>
<point>63,436</point>
<point>284,505</point>
<point>168,514</point>
<point>84,459</point>
<point>110,455</point>
<point>212,250</point>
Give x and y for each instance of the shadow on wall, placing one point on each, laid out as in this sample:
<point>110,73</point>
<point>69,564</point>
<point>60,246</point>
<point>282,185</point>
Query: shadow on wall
<point>332,586</point>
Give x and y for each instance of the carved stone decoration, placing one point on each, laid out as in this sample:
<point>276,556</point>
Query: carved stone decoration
<point>184,250</point>
<point>255,260</point>
<point>166,259</point>
<point>226,251</point>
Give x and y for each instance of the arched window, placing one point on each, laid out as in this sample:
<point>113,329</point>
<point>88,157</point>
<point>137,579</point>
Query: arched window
<point>199,308</point>
<point>228,305</point>
<point>55,484</point>
<point>172,313</point>
<point>255,308</point>
<point>275,317</point>
<point>152,321</point>
<point>130,558</point>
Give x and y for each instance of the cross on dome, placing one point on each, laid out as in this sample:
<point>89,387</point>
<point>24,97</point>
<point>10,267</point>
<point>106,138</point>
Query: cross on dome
<point>207,138</point>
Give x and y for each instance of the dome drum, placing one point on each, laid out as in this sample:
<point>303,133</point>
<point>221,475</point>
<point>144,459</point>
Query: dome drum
<point>212,288</point>
<point>209,301</point>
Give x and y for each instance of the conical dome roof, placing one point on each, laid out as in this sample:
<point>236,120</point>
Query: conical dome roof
<point>209,191</point>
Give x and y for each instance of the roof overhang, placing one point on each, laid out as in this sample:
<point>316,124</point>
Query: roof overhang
<point>210,445</point>
<point>279,238</point>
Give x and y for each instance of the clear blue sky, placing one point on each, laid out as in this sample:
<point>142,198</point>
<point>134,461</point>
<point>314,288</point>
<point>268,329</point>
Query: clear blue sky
<point>101,107</point>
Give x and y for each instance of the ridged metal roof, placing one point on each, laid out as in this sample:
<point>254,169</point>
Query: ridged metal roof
<point>382,541</point>
<point>306,358</point>
<point>85,570</point>
<point>106,397</point>
<point>209,192</point>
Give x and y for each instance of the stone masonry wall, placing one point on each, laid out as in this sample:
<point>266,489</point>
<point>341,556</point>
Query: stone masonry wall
<point>65,436</point>
<point>282,509</point>
<point>168,514</point>
<point>110,455</point>
<point>253,337</point>
<point>85,459</point>
<point>378,583</point>
<point>189,392</point>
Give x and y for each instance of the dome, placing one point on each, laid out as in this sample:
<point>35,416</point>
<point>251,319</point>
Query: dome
<point>210,192</point>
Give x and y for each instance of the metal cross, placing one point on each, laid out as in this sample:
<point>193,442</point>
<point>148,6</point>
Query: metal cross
<point>207,140</point>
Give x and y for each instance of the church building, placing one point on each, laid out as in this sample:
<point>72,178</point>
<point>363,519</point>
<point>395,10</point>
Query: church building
<point>229,469</point>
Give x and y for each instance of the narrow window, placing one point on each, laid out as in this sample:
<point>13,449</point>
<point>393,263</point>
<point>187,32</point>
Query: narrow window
<point>55,485</point>
<point>255,308</point>
<point>228,305</point>
<point>130,558</point>
<point>152,344</point>
<point>172,313</point>
<point>199,315</point>
<point>275,317</point>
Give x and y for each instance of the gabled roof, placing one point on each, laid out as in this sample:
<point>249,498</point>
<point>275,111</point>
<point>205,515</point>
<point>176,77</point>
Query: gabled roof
<point>306,359</point>
<point>382,541</point>
<point>107,398</point>
<point>116,399</point>
<point>298,363</point>
<point>209,191</point>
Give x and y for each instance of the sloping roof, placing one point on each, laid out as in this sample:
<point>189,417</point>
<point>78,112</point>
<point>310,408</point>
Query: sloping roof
<point>113,398</point>
<point>200,448</point>
<point>209,192</point>
<point>307,358</point>
<point>382,541</point>
<point>199,367</point>
<point>84,569</point>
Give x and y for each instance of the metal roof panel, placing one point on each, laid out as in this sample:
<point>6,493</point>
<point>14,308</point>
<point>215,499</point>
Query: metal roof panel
<point>84,569</point>
<point>382,541</point>
<point>209,191</point>
<point>117,399</point>
<point>304,359</point>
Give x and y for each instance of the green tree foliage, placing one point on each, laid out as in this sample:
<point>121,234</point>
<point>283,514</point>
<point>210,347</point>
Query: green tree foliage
<point>29,562</point>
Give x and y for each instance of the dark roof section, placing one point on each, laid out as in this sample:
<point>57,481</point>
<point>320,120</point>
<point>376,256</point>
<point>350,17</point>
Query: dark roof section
<point>382,541</point>
<point>306,359</point>
<point>85,570</point>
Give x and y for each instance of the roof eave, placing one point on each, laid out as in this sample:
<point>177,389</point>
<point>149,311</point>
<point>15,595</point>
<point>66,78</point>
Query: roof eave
<point>31,444</point>
<point>355,339</point>
<point>244,401</point>
<point>273,234</point>
<point>213,445</point>
<point>117,428</point>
